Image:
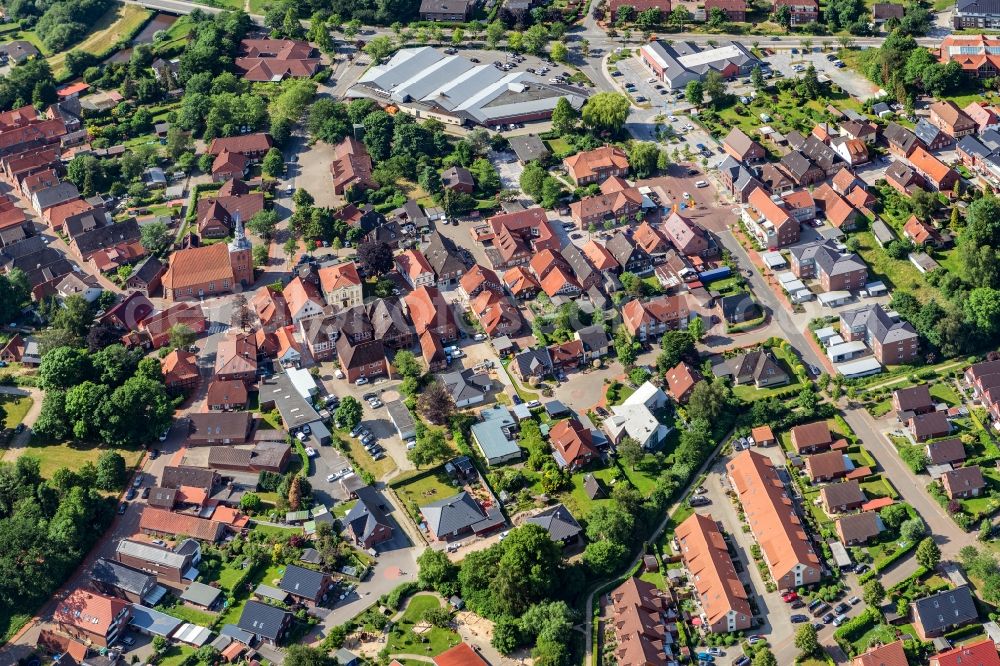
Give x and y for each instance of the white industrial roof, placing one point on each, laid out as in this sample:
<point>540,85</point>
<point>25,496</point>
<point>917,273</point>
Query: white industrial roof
<point>846,348</point>
<point>786,277</point>
<point>833,296</point>
<point>860,368</point>
<point>710,56</point>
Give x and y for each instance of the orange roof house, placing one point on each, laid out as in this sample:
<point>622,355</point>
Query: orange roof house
<point>180,370</point>
<point>638,609</point>
<point>90,616</point>
<point>782,537</point>
<point>479,278</point>
<point>226,394</point>
<point>415,269</point>
<point>652,318</point>
<point>763,435</point>
<point>351,166</point>
<point>980,653</point>
<point>891,654</point>
<point>918,231</point>
<point>201,271</point>
<point>599,256</point>
<point>276,59</point>
<point>594,166</point>
<point>271,308</point>
<point>938,174</point>
<point>706,556</point>
<point>521,282</point>
<point>341,284</point>
<point>572,444</point>
<point>430,312</point>
<point>460,655</point>
<point>161,521</point>
<point>681,380</point>
<point>236,358</point>
<point>303,298</point>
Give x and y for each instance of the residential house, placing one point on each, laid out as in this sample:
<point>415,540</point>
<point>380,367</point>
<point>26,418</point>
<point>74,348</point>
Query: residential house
<point>774,180</point>
<point>364,359</point>
<point>940,613</point>
<point>559,523</point>
<point>821,155</point>
<point>856,529</point>
<point>91,617</point>
<point>236,358</point>
<point>268,60</point>
<point>931,136</point>
<point>495,435</point>
<point>428,310</point>
<point>271,308</point>
<point>739,308</point>
<point>160,522</point>
<point>480,279</point>
<point>445,10</point>
<point>573,444</point>
<point>215,428</point>
<point>784,544</point>
<point>306,586</point>
<point>617,202</point>
<point>117,580</point>
<point>681,380</point>
<point>390,324</point>
<point>836,271</point>
<point>981,653</point>
<point>351,167</point>
<point>937,174</point>
<point>737,179</point>
<point>724,602</point>
<point>630,257</point>
<point>741,147</point>
<point>768,222</point>
<point>446,261</point>
<point>514,238</point>
<point>800,204</point>
<point>594,340</point>
<point>758,367</point>
<point>180,370</point>
<point>268,623</point>
<point>883,11</point>
<point>146,276</point>
<point>639,622</point>
<point>217,214</point>
<point>838,211</point>
<point>688,238</point>
<point>532,362</point>
<point>367,521</point>
<point>826,466</point>
<point>414,268</point>
<point>811,437</point>
<point>927,426</point>
<point>169,566</point>
<point>522,284</point>
<point>985,116</point>
<point>496,314</point>
<point>586,275</point>
<point>963,482</point>
<point>458,179</point>
<point>651,319</point>
<point>862,130</point>
<point>433,352</point>
<point>920,233</point>
<point>456,516</point>
<point>904,179</point>
<point>852,151</point>
<point>341,286</point>
<point>800,169</point>
<point>226,395</point>
<point>892,341</point>
<point>595,166</point>
<point>902,142</point>
<point>946,116</point>
<point>912,400</point>
<point>946,452</point>
<point>842,497</point>
<point>802,11</point>
<point>303,298</point>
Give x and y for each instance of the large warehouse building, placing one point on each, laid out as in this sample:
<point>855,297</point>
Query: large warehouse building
<point>679,63</point>
<point>428,83</point>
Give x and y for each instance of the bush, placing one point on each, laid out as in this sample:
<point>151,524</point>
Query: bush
<point>395,599</point>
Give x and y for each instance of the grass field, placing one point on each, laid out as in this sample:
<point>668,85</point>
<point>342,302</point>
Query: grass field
<point>13,409</point>
<point>424,490</point>
<point>432,642</point>
<point>896,273</point>
<point>118,22</point>
<point>73,455</point>
<point>176,36</point>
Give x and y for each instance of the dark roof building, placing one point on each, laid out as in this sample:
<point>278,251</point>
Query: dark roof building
<point>266,622</point>
<point>456,515</point>
<point>559,523</point>
<point>367,520</point>
<point>118,580</point>
<point>939,613</point>
<point>307,584</point>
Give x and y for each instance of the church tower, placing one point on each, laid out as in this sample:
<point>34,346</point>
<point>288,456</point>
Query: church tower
<point>241,256</point>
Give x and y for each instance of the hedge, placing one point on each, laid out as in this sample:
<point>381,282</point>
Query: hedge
<point>885,562</point>
<point>854,628</point>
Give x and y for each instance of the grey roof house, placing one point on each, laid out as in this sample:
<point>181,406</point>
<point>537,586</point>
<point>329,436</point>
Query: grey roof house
<point>559,523</point>
<point>535,362</point>
<point>116,579</point>
<point>268,623</point>
<point>458,515</point>
<point>367,520</point>
<point>758,367</point>
<point>939,613</point>
<point>305,584</point>
<point>467,387</point>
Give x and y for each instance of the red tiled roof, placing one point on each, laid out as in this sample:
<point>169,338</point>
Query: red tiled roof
<point>199,265</point>
<point>587,163</point>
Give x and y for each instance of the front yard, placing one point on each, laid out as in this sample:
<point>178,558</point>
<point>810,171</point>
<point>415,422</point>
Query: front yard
<point>13,409</point>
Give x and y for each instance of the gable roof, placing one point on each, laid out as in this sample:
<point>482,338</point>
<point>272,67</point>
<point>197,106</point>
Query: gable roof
<point>980,653</point>
<point>843,494</point>
<point>707,558</point>
<point>891,654</point>
<point>946,451</point>
<point>572,440</point>
<point>303,582</point>
<point>588,163</point>
<point>263,619</point>
<point>558,522</point>
<point>857,526</point>
<point>168,522</point>
<point>367,515</point>
<point>89,611</point>
<point>452,514</point>
<point>946,608</point>
<point>339,276</point>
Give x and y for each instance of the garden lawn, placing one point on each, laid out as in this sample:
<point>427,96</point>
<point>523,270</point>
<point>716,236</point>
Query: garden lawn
<point>269,576</point>
<point>11,624</point>
<point>13,408</point>
<point>525,395</point>
<point>787,115</point>
<point>175,36</point>
<point>119,22</point>
<point>188,614</point>
<point>73,455</point>
<point>176,655</point>
<point>431,643</point>
<point>558,146</point>
<point>421,490</point>
<point>945,392</point>
<point>896,273</point>
<point>876,487</point>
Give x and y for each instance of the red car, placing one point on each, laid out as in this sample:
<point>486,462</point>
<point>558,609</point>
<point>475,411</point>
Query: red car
<point>789,597</point>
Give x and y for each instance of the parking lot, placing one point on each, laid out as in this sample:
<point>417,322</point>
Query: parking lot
<point>850,81</point>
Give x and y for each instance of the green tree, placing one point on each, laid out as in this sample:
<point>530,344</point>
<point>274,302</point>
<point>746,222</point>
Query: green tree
<point>631,452</point>
<point>874,593</point>
<point>626,347</point>
<point>912,529</point>
<point>62,368</point>
<point>764,657</point>
<point>757,79</point>
<point>75,316</point>
<point>679,16</point>
<point>495,33</point>
<point>437,572</point>
<point>606,111</point>
<point>604,558</point>
<point>806,640</point>
<point>251,502</point>
<point>430,449</point>
<point>708,399</point>
<point>303,655</point>
<point>564,117</point>
<point>180,336</point>
<point>928,554</point>
<point>694,93</point>
<point>715,88</point>
<point>506,635</point>
<point>696,327</point>
<point>406,364</point>
<point>273,164</point>
<point>894,515</point>
<point>435,403</point>
<point>263,224</point>
<point>559,52</point>
<point>379,47</point>
<point>642,158</point>
<point>111,472</point>
<point>349,413</point>
<point>982,309</point>
<point>610,522</point>
<point>155,237</point>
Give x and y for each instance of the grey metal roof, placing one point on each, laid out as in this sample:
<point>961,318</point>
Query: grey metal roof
<point>883,232</point>
<point>558,522</point>
<point>465,385</point>
<point>400,415</point>
<point>796,163</point>
<point>528,147</point>
<point>122,577</point>
<point>366,516</point>
<point>262,620</point>
<point>236,633</point>
<point>878,324</point>
<point>270,592</point>
<point>946,609</point>
<point>175,477</point>
<point>201,594</point>
<point>490,436</point>
<point>452,514</point>
<point>990,139</point>
<point>899,135</point>
<point>151,553</point>
<point>302,582</point>
<point>987,7</point>
<point>153,621</point>
<point>926,132</point>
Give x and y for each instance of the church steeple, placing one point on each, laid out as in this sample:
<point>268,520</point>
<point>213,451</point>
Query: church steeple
<point>240,241</point>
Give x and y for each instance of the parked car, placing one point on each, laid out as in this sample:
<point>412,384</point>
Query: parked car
<point>828,618</point>
<point>742,661</point>
<point>360,381</point>
<point>122,508</point>
<point>330,478</point>
<point>814,604</point>
<point>705,657</point>
<point>789,596</point>
<point>798,603</point>
<point>716,652</point>
<point>821,609</point>
<point>839,620</point>
<point>854,601</point>
<point>145,492</point>
<point>798,618</point>
<point>699,500</point>
<point>861,568</point>
<point>841,608</point>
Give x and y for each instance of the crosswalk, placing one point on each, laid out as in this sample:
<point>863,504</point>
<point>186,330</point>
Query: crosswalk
<point>217,327</point>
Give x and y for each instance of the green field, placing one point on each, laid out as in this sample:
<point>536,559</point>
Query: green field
<point>896,273</point>
<point>73,455</point>
<point>13,408</point>
<point>429,643</point>
<point>119,22</point>
<point>424,489</point>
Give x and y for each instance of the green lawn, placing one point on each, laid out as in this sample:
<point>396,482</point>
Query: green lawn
<point>945,392</point>
<point>175,37</point>
<point>788,114</point>
<point>269,576</point>
<point>189,614</point>
<point>363,460</point>
<point>896,273</point>
<point>431,643</point>
<point>343,508</point>
<point>421,490</point>
<point>176,655</point>
<point>73,455</point>
<point>876,487</point>
<point>525,395</point>
<point>558,146</point>
<point>13,408</point>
